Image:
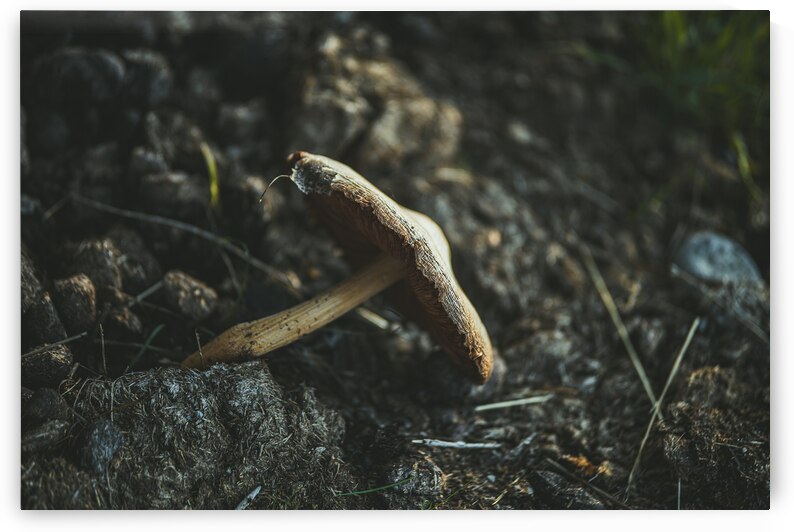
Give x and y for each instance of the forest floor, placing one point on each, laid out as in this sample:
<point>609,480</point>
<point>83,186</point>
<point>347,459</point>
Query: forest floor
<point>566,186</point>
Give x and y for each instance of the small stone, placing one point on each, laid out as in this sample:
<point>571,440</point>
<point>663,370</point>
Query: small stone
<point>46,368</point>
<point>44,405</point>
<point>27,395</point>
<point>123,324</point>
<point>49,132</point>
<point>28,205</point>
<point>715,258</point>
<point>189,296</point>
<point>175,194</point>
<point>148,78</point>
<point>139,268</point>
<point>102,440</point>
<point>40,321</point>
<point>241,122</point>
<point>75,76</point>
<point>98,259</point>
<point>176,138</point>
<point>75,298</point>
<point>145,161</point>
<point>45,436</point>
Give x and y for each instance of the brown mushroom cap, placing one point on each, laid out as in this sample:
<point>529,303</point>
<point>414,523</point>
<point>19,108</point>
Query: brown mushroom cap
<point>366,222</point>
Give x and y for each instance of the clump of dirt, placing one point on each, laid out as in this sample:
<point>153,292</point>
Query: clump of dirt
<point>180,439</point>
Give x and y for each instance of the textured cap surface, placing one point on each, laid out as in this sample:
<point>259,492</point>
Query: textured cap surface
<point>366,222</point>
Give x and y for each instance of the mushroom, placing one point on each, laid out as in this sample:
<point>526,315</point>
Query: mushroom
<point>393,247</point>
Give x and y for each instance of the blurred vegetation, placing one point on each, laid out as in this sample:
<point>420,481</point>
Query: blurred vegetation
<point>708,71</point>
<point>711,67</point>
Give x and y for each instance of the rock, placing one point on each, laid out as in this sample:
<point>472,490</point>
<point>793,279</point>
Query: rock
<point>27,395</point>
<point>176,138</point>
<point>46,368</point>
<point>44,405</point>
<point>242,122</point>
<point>148,78</point>
<point>145,161</point>
<point>139,268</point>
<point>99,174</point>
<point>45,436</point>
<point>76,76</point>
<point>98,259</point>
<point>358,99</point>
<point>40,321</point>
<point>121,323</point>
<point>727,283</point>
<point>75,298</point>
<point>188,296</point>
<point>202,94</point>
<point>102,440</point>
<point>31,287</point>
<point>49,132</point>
<point>28,206</point>
<point>714,258</point>
<point>175,194</point>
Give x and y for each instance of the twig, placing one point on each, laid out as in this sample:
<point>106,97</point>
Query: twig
<point>379,488</point>
<point>50,346</point>
<point>192,229</point>
<point>146,293</point>
<point>144,347</point>
<point>457,444</point>
<point>198,343</point>
<point>563,471</point>
<point>102,342</point>
<point>515,402</point>
<point>249,499</point>
<point>612,309</point>
<point>658,405</point>
<point>58,205</point>
<point>137,345</point>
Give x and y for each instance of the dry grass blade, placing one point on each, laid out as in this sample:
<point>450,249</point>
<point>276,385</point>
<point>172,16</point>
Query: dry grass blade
<point>612,309</point>
<point>456,444</point>
<point>537,399</point>
<point>246,502</point>
<point>50,346</point>
<point>212,170</point>
<point>192,229</point>
<point>658,405</point>
<point>598,491</point>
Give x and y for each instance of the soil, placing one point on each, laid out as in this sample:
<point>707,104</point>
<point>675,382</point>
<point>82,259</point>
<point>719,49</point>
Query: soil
<point>547,170</point>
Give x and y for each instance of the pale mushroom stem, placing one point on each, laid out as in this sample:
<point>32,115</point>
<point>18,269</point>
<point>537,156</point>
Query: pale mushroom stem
<point>259,337</point>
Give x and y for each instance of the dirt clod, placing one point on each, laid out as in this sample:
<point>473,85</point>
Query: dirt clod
<point>75,298</point>
<point>44,405</point>
<point>189,296</point>
<point>47,367</point>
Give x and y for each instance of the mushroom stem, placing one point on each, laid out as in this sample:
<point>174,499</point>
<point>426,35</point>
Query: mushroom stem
<point>259,337</point>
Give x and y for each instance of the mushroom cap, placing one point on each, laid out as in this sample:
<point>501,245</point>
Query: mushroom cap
<point>366,222</point>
